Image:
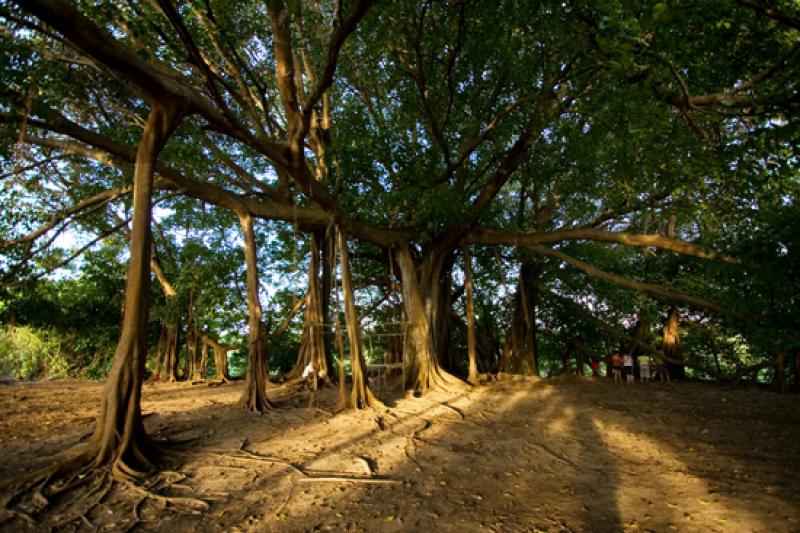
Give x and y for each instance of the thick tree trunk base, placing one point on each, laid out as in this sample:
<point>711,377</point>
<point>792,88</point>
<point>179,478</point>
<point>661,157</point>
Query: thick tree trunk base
<point>254,399</point>
<point>437,379</point>
<point>59,495</point>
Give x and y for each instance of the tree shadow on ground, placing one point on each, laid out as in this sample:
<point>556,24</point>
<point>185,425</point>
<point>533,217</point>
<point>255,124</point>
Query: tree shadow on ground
<point>518,455</point>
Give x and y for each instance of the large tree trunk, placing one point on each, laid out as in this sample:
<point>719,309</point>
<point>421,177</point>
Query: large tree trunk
<point>672,345</point>
<point>443,311</point>
<point>472,373</point>
<point>519,355</point>
<point>254,397</point>
<point>420,302</point>
<point>119,437</point>
<point>530,274</point>
<point>220,359</point>
<point>360,396</point>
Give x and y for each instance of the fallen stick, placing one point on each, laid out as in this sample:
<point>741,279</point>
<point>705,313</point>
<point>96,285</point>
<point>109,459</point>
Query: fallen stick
<point>376,480</point>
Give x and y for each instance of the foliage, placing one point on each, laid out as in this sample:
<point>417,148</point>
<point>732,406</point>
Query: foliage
<point>27,353</point>
<point>650,119</point>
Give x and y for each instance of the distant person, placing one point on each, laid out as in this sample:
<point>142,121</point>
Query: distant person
<point>594,362</point>
<point>616,366</point>
<point>627,368</point>
<point>644,368</point>
<point>661,368</point>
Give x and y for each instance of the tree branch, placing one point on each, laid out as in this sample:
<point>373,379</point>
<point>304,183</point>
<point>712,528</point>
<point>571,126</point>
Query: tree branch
<point>489,236</point>
<point>668,293</point>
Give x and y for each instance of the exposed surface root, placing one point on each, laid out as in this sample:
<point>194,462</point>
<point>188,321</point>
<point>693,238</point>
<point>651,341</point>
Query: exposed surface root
<point>75,485</point>
<point>178,501</point>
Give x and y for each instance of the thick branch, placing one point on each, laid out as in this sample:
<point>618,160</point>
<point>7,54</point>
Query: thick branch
<point>74,211</point>
<point>348,26</point>
<point>669,293</point>
<point>771,12</point>
<point>551,105</point>
<point>489,236</point>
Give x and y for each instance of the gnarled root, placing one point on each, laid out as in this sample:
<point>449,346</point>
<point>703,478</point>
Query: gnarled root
<point>69,489</point>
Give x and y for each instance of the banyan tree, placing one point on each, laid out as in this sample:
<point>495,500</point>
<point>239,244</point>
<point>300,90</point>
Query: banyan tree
<point>432,137</point>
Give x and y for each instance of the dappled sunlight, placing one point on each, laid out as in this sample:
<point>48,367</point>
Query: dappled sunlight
<point>656,485</point>
<point>514,455</point>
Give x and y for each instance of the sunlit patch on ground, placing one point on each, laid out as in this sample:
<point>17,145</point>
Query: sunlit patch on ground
<point>518,455</point>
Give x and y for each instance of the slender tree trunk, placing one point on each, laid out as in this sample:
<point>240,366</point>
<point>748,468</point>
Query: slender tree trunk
<point>342,374</point>
<point>119,436</point>
<point>161,352</point>
<point>192,364</point>
<point>312,348</point>
<point>472,374</point>
<point>192,338</point>
<point>360,396</point>
<point>326,238</point>
<point>779,364</point>
<point>797,369</point>
<point>533,337</point>
<point>203,367</point>
<point>254,397</point>
<point>171,353</point>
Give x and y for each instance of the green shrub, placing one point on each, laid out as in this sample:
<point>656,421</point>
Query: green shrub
<point>28,353</point>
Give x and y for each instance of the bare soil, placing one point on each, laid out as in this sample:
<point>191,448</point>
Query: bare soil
<point>568,454</point>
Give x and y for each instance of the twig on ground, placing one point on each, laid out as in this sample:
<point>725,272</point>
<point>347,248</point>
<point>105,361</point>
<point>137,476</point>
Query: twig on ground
<point>375,480</point>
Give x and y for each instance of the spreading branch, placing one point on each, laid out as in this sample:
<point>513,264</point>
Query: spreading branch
<point>668,293</point>
<point>489,236</point>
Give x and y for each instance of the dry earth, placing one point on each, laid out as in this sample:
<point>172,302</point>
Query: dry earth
<point>516,455</point>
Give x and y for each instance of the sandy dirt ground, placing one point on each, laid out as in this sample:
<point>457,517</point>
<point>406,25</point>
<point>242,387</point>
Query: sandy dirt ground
<point>568,454</point>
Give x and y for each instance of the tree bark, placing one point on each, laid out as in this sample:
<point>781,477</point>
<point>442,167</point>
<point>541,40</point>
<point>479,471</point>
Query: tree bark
<point>202,370</point>
<point>472,373</point>
<point>671,346</point>
<point>171,353</point>
<point>779,364</point>
<point>312,347</point>
<point>191,366</point>
<point>161,350</point>
<point>119,437</point>
<point>519,355</point>
<point>797,369</point>
<point>360,395</point>
<point>254,397</point>
<point>420,358</point>
<point>220,359</point>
